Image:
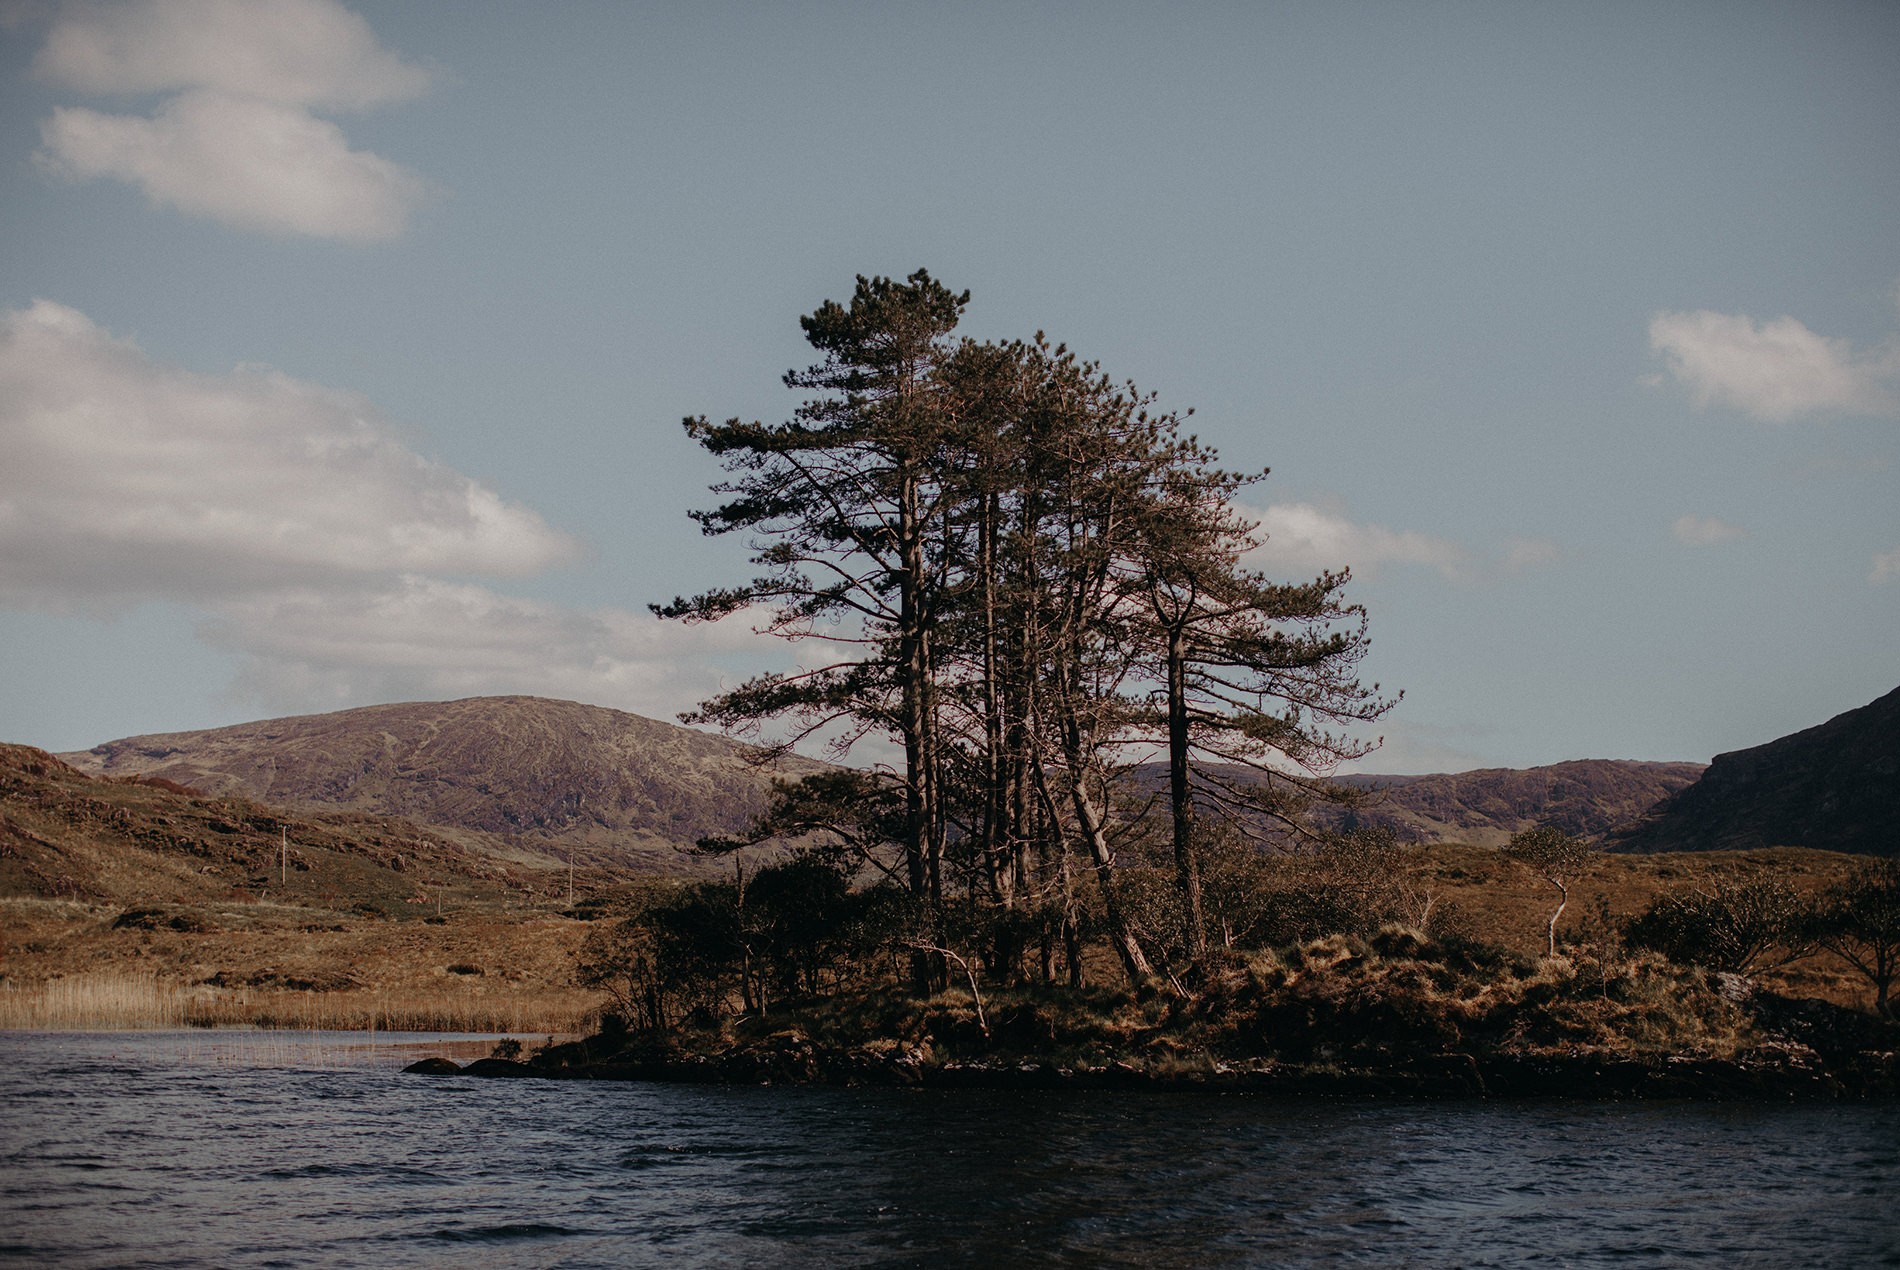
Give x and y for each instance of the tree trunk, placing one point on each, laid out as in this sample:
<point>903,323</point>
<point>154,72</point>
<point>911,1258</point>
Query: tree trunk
<point>1092,823</point>
<point>1565,892</point>
<point>1187,860</point>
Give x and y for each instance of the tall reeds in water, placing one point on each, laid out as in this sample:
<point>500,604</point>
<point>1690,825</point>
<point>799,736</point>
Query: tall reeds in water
<point>100,1001</point>
<point>114,1001</point>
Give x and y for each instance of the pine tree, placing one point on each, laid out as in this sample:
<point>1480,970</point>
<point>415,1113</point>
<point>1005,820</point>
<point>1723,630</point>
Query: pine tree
<point>846,500</point>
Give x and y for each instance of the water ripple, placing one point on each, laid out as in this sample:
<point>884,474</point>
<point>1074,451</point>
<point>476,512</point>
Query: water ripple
<point>174,1152</point>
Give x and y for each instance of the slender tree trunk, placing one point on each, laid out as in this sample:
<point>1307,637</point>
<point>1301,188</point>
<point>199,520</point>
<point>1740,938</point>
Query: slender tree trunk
<point>1071,929</point>
<point>1094,829</point>
<point>745,945</point>
<point>1187,860</point>
<point>1565,892</point>
<point>919,809</point>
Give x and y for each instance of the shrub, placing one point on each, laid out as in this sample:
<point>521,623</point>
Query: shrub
<point>796,926</point>
<point>1859,921</point>
<point>1740,926</point>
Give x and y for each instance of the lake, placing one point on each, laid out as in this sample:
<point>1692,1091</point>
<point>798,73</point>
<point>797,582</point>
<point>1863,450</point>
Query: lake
<point>238,1149</point>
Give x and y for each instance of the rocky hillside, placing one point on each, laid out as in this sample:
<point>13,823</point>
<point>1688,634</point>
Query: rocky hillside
<point>150,841</point>
<point>621,789</point>
<point>1584,798</point>
<point>1835,787</point>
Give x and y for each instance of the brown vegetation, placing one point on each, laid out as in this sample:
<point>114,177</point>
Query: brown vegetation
<point>525,773</point>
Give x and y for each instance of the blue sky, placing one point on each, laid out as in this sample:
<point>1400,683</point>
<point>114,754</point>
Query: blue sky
<point>345,348</point>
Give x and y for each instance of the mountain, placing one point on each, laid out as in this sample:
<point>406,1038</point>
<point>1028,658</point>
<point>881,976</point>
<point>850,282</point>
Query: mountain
<point>1584,798</point>
<point>1835,787</point>
<point>145,840</point>
<point>616,788</point>
<point>626,791</point>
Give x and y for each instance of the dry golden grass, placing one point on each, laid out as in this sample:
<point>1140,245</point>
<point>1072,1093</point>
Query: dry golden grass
<point>123,1001</point>
<point>63,964</point>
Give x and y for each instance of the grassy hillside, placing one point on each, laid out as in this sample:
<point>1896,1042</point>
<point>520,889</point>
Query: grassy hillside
<point>618,789</point>
<point>141,902</point>
<point>146,902</point>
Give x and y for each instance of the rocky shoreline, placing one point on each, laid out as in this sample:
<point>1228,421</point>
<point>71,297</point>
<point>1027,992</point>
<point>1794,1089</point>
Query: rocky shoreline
<point>1783,1072</point>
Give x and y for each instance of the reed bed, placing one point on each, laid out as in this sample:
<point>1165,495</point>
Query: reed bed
<point>113,1001</point>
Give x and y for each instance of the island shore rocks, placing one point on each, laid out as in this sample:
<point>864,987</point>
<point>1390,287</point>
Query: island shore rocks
<point>1779,1071</point>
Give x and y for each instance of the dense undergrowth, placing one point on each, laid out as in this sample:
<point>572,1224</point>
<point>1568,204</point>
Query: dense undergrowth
<point>1364,1001</point>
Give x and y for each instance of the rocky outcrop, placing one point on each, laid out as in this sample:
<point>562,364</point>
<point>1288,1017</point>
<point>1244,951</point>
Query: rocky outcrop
<point>1834,787</point>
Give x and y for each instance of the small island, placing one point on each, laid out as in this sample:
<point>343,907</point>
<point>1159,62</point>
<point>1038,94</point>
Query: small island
<point>792,977</point>
<point>1111,794</point>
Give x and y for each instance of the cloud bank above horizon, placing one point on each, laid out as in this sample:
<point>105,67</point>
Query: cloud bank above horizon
<point>1308,536</point>
<point>319,548</point>
<point>238,142</point>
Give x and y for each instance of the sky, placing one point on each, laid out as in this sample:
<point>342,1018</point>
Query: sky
<point>344,348</point>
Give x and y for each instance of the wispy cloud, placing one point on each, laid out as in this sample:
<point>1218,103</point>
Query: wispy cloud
<point>1301,537</point>
<point>1305,536</point>
<point>1705,531</point>
<point>1886,567</point>
<point>421,638</point>
<point>1529,553</point>
<point>126,479</point>
<point>1777,370</point>
<point>1416,748</point>
<point>238,143</point>
<point>312,541</point>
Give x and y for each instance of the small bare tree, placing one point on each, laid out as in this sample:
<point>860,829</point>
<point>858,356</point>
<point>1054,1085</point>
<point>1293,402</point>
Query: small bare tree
<point>1554,857</point>
<point>1859,921</point>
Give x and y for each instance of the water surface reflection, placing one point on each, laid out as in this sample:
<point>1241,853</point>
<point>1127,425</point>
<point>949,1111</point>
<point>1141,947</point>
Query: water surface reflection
<point>190,1149</point>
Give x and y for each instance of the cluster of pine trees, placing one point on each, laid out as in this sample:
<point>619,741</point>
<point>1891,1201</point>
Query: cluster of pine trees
<point>1029,578</point>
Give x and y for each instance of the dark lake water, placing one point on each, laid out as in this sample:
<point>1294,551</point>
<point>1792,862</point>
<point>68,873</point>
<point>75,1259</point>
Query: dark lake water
<point>251,1149</point>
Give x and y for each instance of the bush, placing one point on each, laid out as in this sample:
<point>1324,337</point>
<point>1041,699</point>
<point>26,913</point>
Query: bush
<point>1739,926</point>
<point>1348,885</point>
<point>791,927</point>
<point>1859,921</point>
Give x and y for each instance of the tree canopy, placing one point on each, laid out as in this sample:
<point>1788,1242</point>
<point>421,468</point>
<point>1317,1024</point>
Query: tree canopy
<point>1030,577</point>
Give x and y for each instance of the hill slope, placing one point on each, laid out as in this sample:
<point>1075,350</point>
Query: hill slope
<point>1835,787</point>
<point>622,789</point>
<point>67,835</point>
<point>1584,798</point>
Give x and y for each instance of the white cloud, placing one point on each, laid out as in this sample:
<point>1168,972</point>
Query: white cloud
<point>1705,531</point>
<point>253,164</point>
<point>1529,553</point>
<point>424,638</point>
<point>1775,370</point>
<point>1886,567</point>
<point>298,52</point>
<point>1304,536</point>
<point>311,540</point>
<point>237,143</point>
<point>126,479</point>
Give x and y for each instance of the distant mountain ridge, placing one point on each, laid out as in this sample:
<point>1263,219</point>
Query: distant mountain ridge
<point>618,787</point>
<point>1585,798</point>
<point>628,791</point>
<point>1834,787</point>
